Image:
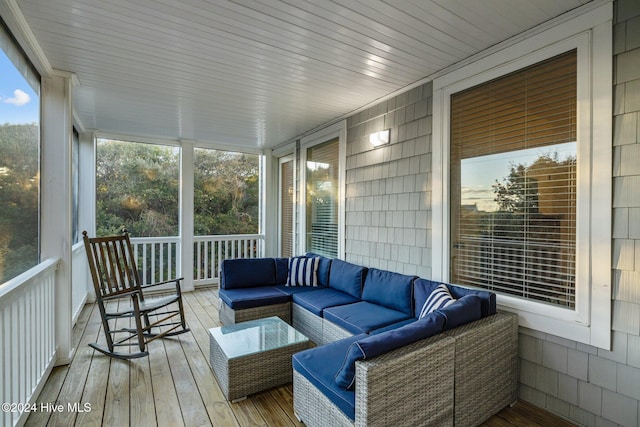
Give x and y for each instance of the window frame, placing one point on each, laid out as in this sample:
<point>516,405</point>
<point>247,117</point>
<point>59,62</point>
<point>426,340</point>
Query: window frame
<point>591,34</point>
<point>337,130</point>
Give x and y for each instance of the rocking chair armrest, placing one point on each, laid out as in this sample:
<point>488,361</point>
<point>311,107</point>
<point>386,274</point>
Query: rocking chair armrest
<point>150,285</point>
<point>121,295</point>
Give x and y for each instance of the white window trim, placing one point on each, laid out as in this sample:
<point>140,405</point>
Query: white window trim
<point>591,34</point>
<point>282,160</point>
<point>337,130</point>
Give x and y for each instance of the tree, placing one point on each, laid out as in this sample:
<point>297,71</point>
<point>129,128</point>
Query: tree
<point>19,187</point>
<point>138,188</point>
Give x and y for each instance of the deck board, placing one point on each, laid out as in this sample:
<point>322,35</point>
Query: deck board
<point>175,386</point>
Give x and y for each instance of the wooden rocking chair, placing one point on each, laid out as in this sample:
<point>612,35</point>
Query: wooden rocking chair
<point>117,283</point>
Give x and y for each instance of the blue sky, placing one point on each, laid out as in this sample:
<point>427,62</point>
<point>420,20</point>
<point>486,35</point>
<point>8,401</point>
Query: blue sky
<point>18,102</point>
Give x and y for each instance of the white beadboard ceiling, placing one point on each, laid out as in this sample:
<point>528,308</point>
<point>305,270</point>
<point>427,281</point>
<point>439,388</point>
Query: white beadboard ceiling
<point>254,74</point>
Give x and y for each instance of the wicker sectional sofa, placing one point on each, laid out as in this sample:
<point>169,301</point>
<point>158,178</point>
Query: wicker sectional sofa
<point>376,362</point>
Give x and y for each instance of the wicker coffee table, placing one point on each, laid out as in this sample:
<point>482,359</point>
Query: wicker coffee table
<point>253,356</point>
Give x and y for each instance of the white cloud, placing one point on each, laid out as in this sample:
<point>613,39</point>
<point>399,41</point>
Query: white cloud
<point>19,98</point>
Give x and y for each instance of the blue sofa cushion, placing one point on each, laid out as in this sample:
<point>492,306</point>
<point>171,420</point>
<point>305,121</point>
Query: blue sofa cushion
<point>252,297</point>
<point>319,366</point>
<point>487,298</point>
<point>375,345</point>
<point>392,326</point>
<point>439,298</point>
<point>466,309</point>
<point>247,273</point>
<point>302,271</point>
<point>282,270</point>
<point>363,316</point>
<point>392,290</point>
<point>324,268</point>
<point>347,277</point>
<point>422,288</point>
<point>290,290</point>
<point>320,298</point>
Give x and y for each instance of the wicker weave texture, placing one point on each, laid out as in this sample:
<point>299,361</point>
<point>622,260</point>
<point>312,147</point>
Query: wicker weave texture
<point>410,386</point>
<point>229,316</point>
<point>332,332</point>
<point>307,323</point>
<point>486,378</point>
<point>240,376</point>
<point>313,407</point>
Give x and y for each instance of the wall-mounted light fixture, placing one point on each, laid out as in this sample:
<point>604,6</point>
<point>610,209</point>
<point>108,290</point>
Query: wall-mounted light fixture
<point>380,138</point>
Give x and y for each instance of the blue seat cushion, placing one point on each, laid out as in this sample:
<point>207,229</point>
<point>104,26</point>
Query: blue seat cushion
<point>422,288</point>
<point>466,309</point>
<point>347,277</point>
<point>392,326</point>
<point>363,316</point>
<point>247,273</point>
<point>252,297</point>
<point>392,290</point>
<point>371,346</point>
<point>290,290</point>
<point>319,299</point>
<point>319,365</point>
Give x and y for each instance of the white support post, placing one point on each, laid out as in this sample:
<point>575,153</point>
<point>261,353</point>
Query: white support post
<point>56,200</point>
<point>186,214</point>
<point>87,194</point>
<point>269,224</point>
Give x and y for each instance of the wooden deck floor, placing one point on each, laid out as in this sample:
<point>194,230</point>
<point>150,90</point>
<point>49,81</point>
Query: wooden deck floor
<point>175,386</point>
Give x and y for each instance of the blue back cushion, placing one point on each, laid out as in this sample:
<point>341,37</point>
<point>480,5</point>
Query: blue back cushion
<point>422,288</point>
<point>324,267</point>
<point>247,273</point>
<point>375,345</point>
<point>466,309</point>
<point>282,270</point>
<point>347,277</point>
<point>391,290</point>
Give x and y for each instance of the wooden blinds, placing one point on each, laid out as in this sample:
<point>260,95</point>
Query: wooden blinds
<point>322,198</point>
<point>513,183</point>
<point>286,209</point>
<point>530,108</point>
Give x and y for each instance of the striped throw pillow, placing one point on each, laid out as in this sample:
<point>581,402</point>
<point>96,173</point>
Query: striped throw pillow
<point>439,298</point>
<point>303,271</point>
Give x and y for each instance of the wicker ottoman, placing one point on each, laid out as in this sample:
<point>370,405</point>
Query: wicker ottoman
<point>253,356</point>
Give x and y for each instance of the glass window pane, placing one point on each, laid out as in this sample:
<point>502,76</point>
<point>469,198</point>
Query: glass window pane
<point>226,192</point>
<point>513,183</point>
<point>19,171</point>
<point>137,188</point>
<point>286,209</point>
<point>322,199</point>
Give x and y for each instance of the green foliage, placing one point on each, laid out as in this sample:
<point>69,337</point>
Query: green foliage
<point>19,187</point>
<point>138,188</point>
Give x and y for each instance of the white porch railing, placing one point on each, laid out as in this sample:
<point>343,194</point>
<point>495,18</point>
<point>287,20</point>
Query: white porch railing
<point>158,258</point>
<point>210,251</point>
<point>27,338</point>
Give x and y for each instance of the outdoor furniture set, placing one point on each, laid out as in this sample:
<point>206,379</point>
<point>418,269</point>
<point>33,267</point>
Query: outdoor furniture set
<point>392,349</point>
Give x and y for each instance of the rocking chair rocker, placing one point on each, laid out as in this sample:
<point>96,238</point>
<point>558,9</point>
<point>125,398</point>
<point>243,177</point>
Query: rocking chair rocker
<point>116,280</point>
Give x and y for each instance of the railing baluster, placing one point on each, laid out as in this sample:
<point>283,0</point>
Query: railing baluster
<point>26,336</point>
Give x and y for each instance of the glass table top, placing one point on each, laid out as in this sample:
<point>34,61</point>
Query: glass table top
<point>255,336</point>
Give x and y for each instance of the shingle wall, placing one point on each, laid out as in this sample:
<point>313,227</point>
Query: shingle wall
<point>388,201</point>
<point>590,386</point>
<point>388,225</point>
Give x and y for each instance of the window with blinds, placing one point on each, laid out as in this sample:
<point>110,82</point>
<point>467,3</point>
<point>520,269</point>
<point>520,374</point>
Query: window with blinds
<point>513,183</point>
<point>286,209</point>
<point>322,198</point>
